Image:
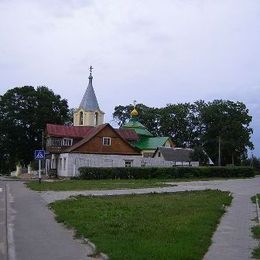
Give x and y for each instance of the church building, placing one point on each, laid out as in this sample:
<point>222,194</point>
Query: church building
<point>146,142</point>
<point>92,143</point>
<point>89,113</point>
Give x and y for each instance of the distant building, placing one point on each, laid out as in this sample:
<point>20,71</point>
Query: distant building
<point>91,143</point>
<point>177,156</point>
<point>146,142</point>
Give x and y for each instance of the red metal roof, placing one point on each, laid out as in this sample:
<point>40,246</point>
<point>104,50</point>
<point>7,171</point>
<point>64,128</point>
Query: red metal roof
<point>128,134</point>
<point>69,131</point>
<point>84,131</point>
<point>94,132</point>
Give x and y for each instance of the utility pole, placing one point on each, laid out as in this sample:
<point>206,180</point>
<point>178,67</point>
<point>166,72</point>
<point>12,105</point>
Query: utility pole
<point>251,161</point>
<point>219,151</point>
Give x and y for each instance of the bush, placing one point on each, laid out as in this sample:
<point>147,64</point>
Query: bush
<point>164,173</point>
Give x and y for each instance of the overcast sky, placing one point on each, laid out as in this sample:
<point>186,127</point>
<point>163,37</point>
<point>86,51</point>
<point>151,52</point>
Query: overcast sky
<point>156,52</point>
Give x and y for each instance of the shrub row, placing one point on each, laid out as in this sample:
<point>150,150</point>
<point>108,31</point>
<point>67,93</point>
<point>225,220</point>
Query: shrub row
<point>164,173</point>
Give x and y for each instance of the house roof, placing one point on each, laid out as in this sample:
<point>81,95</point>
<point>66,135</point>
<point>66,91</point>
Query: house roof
<point>89,101</point>
<point>128,134</point>
<point>68,131</point>
<point>151,143</point>
<point>175,154</point>
<point>83,131</point>
<point>139,128</point>
<point>95,131</point>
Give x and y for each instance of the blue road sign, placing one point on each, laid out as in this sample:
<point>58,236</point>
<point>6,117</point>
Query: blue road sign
<point>39,154</point>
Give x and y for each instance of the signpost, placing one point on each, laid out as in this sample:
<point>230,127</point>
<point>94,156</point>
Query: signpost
<point>39,155</point>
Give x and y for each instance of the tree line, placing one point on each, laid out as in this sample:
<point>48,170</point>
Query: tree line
<point>221,128</point>
<point>25,111</point>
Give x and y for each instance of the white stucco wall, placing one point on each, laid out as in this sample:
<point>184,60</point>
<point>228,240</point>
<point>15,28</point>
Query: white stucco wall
<point>76,160</point>
<point>63,165</point>
<point>160,162</point>
<point>69,163</point>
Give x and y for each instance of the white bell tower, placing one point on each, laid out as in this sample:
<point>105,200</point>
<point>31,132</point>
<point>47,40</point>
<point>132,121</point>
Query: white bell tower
<point>89,113</point>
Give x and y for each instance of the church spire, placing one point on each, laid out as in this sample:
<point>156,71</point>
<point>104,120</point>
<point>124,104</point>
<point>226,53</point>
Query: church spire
<point>88,113</point>
<point>90,74</point>
<point>89,101</point>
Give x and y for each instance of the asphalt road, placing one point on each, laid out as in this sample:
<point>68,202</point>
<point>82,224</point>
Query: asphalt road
<point>232,239</point>
<point>31,232</point>
<point>3,223</point>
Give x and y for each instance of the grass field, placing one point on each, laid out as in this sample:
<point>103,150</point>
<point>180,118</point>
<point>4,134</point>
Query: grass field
<point>256,232</point>
<point>256,235</point>
<point>95,184</point>
<point>67,185</point>
<point>154,226</point>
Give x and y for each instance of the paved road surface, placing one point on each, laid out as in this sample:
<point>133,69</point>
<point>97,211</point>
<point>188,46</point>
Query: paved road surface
<point>33,233</point>
<point>233,239</point>
<point>3,227</point>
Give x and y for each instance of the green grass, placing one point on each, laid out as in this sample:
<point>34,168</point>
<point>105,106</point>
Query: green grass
<point>254,197</point>
<point>256,253</point>
<point>94,184</point>
<point>256,231</point>
<point>67,185</point>
<point>152,226</point>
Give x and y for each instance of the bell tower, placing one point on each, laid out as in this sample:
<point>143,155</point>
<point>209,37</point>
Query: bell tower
<point>89,113</point>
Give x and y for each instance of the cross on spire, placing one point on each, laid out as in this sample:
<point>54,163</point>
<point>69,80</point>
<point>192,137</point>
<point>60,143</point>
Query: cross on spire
<point>90,69</point>
<point>134,102</point>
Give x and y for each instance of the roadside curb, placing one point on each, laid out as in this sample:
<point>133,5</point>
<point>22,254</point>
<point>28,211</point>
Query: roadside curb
<point>95,254</point>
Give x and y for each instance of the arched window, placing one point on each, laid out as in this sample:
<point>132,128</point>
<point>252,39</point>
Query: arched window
<point>81,118</point>
<point>96,118</point>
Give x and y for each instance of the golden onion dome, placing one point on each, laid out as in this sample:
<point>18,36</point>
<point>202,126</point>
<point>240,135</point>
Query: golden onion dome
<point>134,113</point>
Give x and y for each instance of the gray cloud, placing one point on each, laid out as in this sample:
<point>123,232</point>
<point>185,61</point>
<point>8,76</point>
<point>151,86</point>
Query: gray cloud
<point>154,52</point>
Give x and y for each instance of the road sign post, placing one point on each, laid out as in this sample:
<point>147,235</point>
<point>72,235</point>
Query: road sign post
<point>40,175</point>
<point>39,155</point>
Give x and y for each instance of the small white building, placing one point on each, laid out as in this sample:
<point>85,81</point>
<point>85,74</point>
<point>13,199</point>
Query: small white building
<point>175,156</point>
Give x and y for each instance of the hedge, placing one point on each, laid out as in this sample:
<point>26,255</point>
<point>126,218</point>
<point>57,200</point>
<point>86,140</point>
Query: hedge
<point>163,173</point>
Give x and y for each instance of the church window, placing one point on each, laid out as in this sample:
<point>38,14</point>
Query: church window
<point>107,141</point>
<point>81,118</point>
<point>96,118</point>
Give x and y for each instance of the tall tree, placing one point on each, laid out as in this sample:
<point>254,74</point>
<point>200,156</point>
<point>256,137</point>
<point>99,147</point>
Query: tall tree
<point>148,116</point>
<point>122,114</point>
<point>24,113</point>
<point>226,130</point>
<point>175,121</point>
<point>203,126</point>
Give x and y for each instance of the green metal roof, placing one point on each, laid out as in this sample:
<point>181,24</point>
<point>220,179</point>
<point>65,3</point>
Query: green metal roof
<point>139,128</point>
<point>151,143</point>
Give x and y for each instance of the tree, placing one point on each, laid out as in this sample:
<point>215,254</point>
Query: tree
<point>205,126</point>
<point>122,114</point>
<point>147,116</point>
<point>24,113</point>
<point>71,112</point>
<point>175,121</point>
<point>225,126</point>
<point>199,155</point>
